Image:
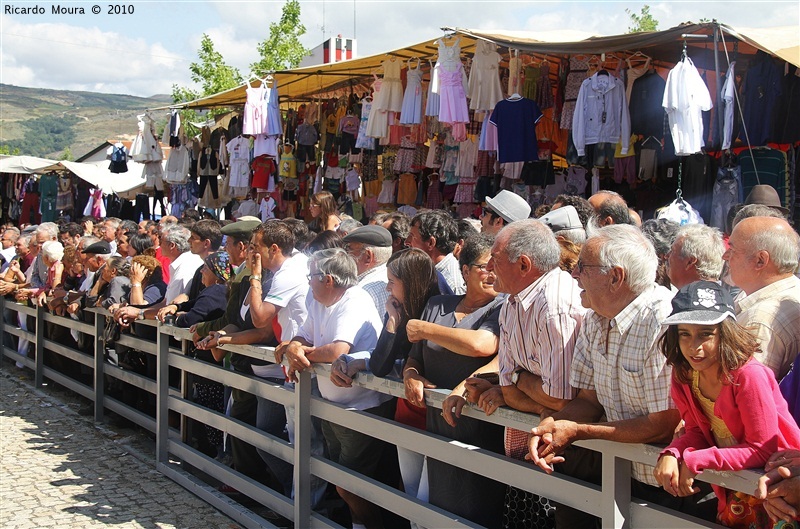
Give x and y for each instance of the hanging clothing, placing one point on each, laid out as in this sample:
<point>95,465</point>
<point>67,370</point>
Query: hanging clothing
<point>728,102</point>
<point>266,208</point>
<point>239,158</point>
<point>545,95</point>
<point>378,120</point>
<point>406,189</point>
<point>145,147</point>
<point>432,101</point>
<point>634,73</point>
<point>601,113</point>
<point>263,169</point>
<point>727,192</point>
<point>119,159</point>
<point>578,71</point>
<point>761,89</point>
<point>362,140</point>
<point>516,120</point>
<point>645,104</point>
<point>95,207</point>
<point>411,113</point>
<point>390,97</point>
<point>484,87</point>
<point>254,118</point>
<point>274,121</point>
<point>48,195</point>
<point>685,98</point>
<point>177,171</point>
<point>514,75</point>
<point>452,95</point>
<point>405,157</point>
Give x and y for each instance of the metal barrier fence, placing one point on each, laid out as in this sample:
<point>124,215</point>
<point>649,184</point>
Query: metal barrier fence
<point>174,456</point>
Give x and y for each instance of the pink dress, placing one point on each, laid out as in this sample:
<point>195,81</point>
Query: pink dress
<point>452,98</point>
<point>254,118</point>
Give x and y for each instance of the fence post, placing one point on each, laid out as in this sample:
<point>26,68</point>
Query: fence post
<point>302,449</point>
<point>162,396</point>
<point>99,360</point>
<point>616,485</point>
<point>38,375</point>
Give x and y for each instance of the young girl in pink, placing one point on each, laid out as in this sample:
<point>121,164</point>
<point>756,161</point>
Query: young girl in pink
<point>734,413</point>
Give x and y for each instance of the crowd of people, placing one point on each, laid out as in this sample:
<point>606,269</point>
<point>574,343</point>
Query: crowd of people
<point>606,327</point>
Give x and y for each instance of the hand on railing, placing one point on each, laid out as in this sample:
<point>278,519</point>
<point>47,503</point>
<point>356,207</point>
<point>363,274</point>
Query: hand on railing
<point>294,353</point>
<point>415,385</point>
<point>344,369</point>
<point>486,395</point>
<point>451,408</point>
<point>674,477</point>
<point>780,486</point>
<point>549,439</point>
<point>211,341</point>
<point>163,312</point>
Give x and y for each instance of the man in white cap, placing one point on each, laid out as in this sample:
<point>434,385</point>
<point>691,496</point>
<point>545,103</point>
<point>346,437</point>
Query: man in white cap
<point>505,207</point>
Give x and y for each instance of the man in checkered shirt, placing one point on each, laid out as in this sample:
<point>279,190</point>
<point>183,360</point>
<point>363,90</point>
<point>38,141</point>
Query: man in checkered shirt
<point>617,368</point>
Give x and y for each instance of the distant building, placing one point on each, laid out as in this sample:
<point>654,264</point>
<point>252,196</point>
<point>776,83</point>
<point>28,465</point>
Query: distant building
<point>335,49</point>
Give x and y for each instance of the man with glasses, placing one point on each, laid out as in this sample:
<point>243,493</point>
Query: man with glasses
<point>617,369</point>
<point>371,247</point>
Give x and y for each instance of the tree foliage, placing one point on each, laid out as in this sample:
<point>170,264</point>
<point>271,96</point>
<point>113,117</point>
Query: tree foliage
<point>282,49</point>
<point>5,149</point>
<point>642,21</point>
<point>212,74</point>
<point>66,154</point>
<point>45,135</point>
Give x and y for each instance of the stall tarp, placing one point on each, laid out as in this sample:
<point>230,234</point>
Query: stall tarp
<point>24,164</point>
<point>126,185</point>
<point>665,47</point>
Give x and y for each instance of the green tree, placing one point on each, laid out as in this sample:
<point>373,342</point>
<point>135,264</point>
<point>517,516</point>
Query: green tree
<point>282,49</point>
<point>5,149</point>
<point>212,74</point>
<point>66,154</point>
<point>643,21</point>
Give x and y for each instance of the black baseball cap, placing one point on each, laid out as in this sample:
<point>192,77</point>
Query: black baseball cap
<point>701,303</point>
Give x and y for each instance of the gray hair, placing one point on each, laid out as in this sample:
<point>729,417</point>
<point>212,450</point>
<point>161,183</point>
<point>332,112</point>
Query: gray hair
<point>25,238</point>
<point>114,221</point>
<point>87,241</point>
<point>336,263</point>
<point>348,225</point>
<point>14,230</point>
<point>178,235</point>
<point>625,246</point>
<point>48,228</point>
<point>704,243</point>
<point>662,233</point>
<point>574,235</point>
<point>381,254</point>
<point>783,247</point>
<point>756,210</point>
<point>53,250</point>
<point>533,238</point>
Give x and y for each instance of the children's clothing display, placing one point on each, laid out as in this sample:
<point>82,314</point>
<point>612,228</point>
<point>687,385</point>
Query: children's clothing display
<point>685,98</point>
<point>274,125</point>
<point>516,120</point>
<point>145,147</point>
<point>178,162</point>
<point>432,100</point>
<point>390,97</point>
<point>578,70</point>
<point>411,112</point>
<point>263,171</point>
<point>254,118</point>
<point>484,77</point>
<point>239,157</point>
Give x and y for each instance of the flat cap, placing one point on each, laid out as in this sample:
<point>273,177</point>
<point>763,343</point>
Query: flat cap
<point>370,235</point>
<point>563,218</point>
<point>100,248</point>
<point>248,217</point>
<point>241,229</point>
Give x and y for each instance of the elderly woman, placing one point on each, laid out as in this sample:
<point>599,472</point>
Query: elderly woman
<point>456,337</point>
<point>114,285</point>
<point>52,252</point>
<point>211,302</point>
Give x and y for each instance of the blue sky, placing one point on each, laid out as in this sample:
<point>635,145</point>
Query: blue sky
<point>144,53</point>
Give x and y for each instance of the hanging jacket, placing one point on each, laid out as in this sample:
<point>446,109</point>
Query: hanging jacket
<point>601,113</point>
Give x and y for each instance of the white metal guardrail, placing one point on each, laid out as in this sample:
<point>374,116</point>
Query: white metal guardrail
<point>189,467</point>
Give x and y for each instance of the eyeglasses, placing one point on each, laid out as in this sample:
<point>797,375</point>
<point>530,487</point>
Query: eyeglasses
<point>309,276</point>
<point>581,266</point>
<point>480,267</point>
<point>488,211</point>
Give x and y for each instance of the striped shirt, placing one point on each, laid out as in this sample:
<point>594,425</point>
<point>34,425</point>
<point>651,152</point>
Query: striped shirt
<point>773,312</point>
<point>538,331</point>
<point>620,360</point>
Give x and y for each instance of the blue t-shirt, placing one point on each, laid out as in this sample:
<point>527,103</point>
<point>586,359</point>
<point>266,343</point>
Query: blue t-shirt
<point>516,130</point>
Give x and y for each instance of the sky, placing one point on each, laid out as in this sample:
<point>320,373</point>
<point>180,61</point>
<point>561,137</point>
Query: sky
<point>147,46</point>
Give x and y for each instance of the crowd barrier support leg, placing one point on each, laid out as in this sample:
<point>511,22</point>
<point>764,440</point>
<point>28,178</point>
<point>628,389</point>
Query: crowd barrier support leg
<point>302,450</point>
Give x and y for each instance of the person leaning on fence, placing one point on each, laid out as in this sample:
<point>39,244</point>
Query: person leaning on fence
<point>617,369</point>
<point>342,320</point>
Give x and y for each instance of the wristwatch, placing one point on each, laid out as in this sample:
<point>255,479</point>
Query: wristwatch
<point>515,377</point>
<point>255,278</point>
<point>141,314</point>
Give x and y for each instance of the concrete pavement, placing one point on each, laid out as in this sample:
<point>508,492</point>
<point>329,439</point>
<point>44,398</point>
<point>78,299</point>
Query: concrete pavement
<point>57,470</point>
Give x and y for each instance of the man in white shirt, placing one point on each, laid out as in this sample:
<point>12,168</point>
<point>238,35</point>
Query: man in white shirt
<point>8,251</point>
<point>175,246</point>
<point>342,323</point>
<point>371,247</point>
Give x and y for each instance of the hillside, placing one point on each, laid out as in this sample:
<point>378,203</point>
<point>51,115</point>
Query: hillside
<point>55,119</point>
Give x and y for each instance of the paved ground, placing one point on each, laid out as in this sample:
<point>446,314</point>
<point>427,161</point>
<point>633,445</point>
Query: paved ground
<point>57,470</point>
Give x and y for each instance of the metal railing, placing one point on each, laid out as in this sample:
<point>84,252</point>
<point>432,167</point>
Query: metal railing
<point>178,460</point>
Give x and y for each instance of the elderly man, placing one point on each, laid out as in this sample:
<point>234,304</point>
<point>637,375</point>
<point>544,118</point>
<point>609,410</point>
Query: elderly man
<point>696,255</point>
<point>763,257</point>
<point>435,232</point>
<point>108,232</point>
<point>8,250</point>
<point>371,247</point>
<point>342,325</point>
<point>505,207</point>
<point>610,208</point>
<point>617,368</point>
<point>46,231</point>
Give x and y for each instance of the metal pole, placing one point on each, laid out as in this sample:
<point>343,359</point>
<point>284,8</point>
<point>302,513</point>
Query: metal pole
<point>717,138</point>
<point>99,361</point>
<point>38,374</point>
<point>162,396</point>
<point>302,449</point>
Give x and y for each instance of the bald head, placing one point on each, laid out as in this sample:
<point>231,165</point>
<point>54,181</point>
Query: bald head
<point>762,250</point>
<point>599,198</point>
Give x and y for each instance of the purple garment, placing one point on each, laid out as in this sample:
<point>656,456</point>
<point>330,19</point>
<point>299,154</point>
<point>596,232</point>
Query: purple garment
<point>452,98</point>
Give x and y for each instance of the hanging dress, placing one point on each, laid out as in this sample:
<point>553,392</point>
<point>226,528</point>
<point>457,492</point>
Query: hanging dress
<point>378,121</point>
<point>411,114</point>
<point>254,122</point>
<point>578,72</point>
<point>484,77</point>
<point>362,140</point>
<point>432,102</point>
<point>274,122</point>
<point>514,75</point>
<point>390,97</point>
